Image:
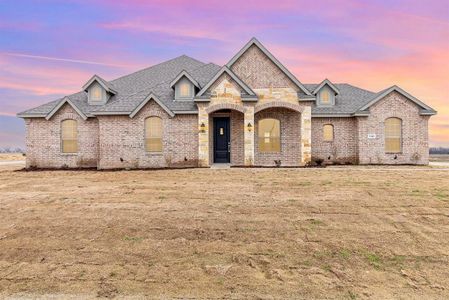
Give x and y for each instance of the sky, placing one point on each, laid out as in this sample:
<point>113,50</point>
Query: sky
<point>50,48</point>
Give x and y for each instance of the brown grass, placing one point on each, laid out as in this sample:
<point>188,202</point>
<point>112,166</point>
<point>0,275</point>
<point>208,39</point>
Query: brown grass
<point>439,157</point>
<point>238,233</point>
<point>11,156</point>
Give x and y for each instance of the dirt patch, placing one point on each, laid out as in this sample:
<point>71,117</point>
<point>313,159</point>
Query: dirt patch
<point>232,233</point>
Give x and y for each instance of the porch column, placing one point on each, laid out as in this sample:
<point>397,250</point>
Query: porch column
<point>203,137</point>
<point>248,119</point>
<point>306,136</point>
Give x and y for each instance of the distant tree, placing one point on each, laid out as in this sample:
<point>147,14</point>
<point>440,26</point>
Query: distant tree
<point>438,150</point>
<point>11,150</point>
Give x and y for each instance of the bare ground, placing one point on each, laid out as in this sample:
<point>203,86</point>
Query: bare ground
<point>237,233</point>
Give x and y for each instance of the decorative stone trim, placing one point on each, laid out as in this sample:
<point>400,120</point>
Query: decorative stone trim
<point>225,105</point>
<point>283,104</point>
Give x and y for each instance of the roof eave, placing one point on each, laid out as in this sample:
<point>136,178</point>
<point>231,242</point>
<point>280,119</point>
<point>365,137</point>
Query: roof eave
<point>25,115</point>
<point>63,101</point>
<point>396,88</point>
<point>151,96</point>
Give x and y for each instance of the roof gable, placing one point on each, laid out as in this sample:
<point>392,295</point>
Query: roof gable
<point>427,109</point>
<point>106,85</point>
<point>328,83</point>
<point>185,74</point>
<point>226,70</point>
<point>273,59</point>
<point>151,96</point>
<point>60,104</point>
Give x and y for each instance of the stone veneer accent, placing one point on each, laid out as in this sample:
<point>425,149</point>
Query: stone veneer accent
<point>122,140</point>
<point>118,141</point>
<point>343,148</point>
<point>43,141</point>
<point>225,94</point>
<point>415,139</point>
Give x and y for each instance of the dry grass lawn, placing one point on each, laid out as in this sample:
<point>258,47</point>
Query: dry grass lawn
<point>238,233</point>
<point>439,157</point>
<point>11,156</point>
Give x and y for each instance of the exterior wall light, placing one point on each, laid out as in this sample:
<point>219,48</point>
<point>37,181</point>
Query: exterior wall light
<point>202,128</point>
<point>250,127</point>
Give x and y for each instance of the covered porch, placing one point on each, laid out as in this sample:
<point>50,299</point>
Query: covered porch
<point>276,133</point>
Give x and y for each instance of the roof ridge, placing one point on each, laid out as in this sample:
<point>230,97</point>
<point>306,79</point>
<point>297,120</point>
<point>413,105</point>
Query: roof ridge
<point>158,64</point>
<point>150,89</point>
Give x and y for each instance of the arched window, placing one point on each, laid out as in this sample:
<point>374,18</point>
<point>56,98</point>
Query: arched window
<point>153,134</point>
<point>269,133</point>
<point>69,136</point>
<point>328,133</point>
<point>393,135</point>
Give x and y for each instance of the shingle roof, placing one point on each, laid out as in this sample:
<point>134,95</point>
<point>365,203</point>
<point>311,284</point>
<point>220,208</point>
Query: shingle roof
<point>135,88</point>
<point>348,101</point>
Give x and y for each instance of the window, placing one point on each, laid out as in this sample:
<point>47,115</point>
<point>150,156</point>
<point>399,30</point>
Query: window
<point>153,134</point>
<point>393,135</point>
<point>325,97</point>
<point>69,136</point>
<point>328,133</point>
<point>96,93</point>
<point>184,90</point>
<point>269,135</point>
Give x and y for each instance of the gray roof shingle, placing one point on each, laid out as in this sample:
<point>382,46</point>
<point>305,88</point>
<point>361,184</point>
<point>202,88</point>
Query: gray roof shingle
<point>347,102</point>
<point>134,88</point>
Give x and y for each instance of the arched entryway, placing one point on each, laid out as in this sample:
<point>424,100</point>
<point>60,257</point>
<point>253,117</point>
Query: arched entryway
<point>226,136</point>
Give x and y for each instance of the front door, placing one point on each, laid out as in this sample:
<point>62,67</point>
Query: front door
<point>221,140</point>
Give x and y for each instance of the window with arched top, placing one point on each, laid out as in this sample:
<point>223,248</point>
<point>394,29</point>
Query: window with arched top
<point>153,134</point>
<point>269,133</point>
<point>328,133</point>
<point>393,135</point>
<point>69,136</point>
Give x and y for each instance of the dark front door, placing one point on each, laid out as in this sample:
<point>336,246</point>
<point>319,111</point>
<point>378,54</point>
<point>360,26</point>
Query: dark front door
<point>221,140</point>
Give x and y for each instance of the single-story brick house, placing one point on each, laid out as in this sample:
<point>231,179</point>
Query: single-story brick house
<point>252,111</point>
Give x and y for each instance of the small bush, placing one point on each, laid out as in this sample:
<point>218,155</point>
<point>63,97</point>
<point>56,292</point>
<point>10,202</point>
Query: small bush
<point>318,161</point>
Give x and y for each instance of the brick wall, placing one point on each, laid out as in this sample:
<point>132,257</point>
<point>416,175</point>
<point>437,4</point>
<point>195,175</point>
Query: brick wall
<point>344,146</point>
<point>237,142</point>
<point>290,154</point>
<point>258,71</point>
<point>415,148</point>
<point>43,141</point>
<point>122,140</point>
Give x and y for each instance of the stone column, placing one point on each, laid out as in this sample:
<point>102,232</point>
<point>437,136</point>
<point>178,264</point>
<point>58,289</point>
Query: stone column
<point>249,135</point>
<point>306,136</point>
<point>203,137</point>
